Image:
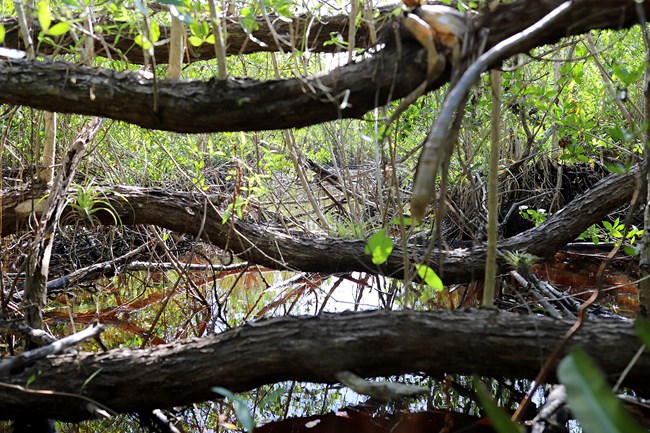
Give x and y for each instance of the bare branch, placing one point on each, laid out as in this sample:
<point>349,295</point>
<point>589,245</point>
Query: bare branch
<point>315,349</point>
<point>245,105</point>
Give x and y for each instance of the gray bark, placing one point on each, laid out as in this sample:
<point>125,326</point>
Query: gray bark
<point>313,349</point>
<point>271,246</point>
<point>246,105</point>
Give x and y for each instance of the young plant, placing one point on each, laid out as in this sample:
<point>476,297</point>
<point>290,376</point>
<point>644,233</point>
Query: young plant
<point>87,200</point>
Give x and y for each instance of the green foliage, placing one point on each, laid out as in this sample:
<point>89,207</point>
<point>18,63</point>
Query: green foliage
<point>272,399</point>
<point>240,407</point>
<point>576,104</point>
<point>87,200</point>
<point>44,15</point>
<point>45,18</point>
<point>247,19</point>
<point>336,39</point>
<point>591,399</point>
<point>500,420</point>
<point>237,207</point>
<point>430,277</point>
<point>379,246</point>
<point>200,34</point>
<point>643,330</point>
<point>615,229</point>
<point>627,76</point>
<point>537,216</point>
<point>31,379</point>
<point>613,232</point>
<point>147,43</point>
<point>519,259</point>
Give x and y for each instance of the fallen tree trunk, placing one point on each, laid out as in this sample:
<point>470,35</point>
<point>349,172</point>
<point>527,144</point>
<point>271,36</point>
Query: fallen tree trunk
<point>313,349</point>
<point>246,105</point>
<point>270,246</point>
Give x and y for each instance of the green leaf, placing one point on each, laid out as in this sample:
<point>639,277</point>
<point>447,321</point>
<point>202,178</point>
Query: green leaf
<point>226,214</point>
<point>196,29</point>
<point>620,134</point>
<point>59,29</point>
<point>407,221</point>
<point>2,33</point>
<point>591,399</point>
<point>240,407</point>
<point>273,397</point>
<point>336,39</point>
<point>430,277</point>
<point>617,168</point>
<point>154,32</point>
<point>145,43</point>
<point>643,330</point>
<point>31,379</point>
<point>630,251</point>
<point>196,42</point>
<point>500,419</point>
<point>379,246</point>
<point>247,20</point>
<point>625,75</point>
<point>91,377</point>
<point>44,15</point>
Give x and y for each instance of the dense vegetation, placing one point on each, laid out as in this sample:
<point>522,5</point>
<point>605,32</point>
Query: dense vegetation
<point>174,173</point>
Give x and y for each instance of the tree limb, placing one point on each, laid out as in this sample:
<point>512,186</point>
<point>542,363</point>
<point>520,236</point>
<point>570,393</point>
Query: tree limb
<point>306,32</point>
<point>315,349</point>
<point>245,104</point>
<point>28,358</point>
<point>272,247</point>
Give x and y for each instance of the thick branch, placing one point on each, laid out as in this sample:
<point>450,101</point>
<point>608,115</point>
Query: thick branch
<point>314,349</point>
<point>245,105</point>
<point>269,246</point>
<point>214,105</point>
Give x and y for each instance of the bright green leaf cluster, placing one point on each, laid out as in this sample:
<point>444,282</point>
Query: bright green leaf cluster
<point>200,34</point>
<point>45,19</point>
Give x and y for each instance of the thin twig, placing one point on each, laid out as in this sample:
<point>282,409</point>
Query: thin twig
<point>31,356</point>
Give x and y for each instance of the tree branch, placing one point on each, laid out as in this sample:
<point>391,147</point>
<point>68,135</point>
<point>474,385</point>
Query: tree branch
<point>246,105</point>
<point>272,247</point>
<point>305,32</point>
<point>314,349</point>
